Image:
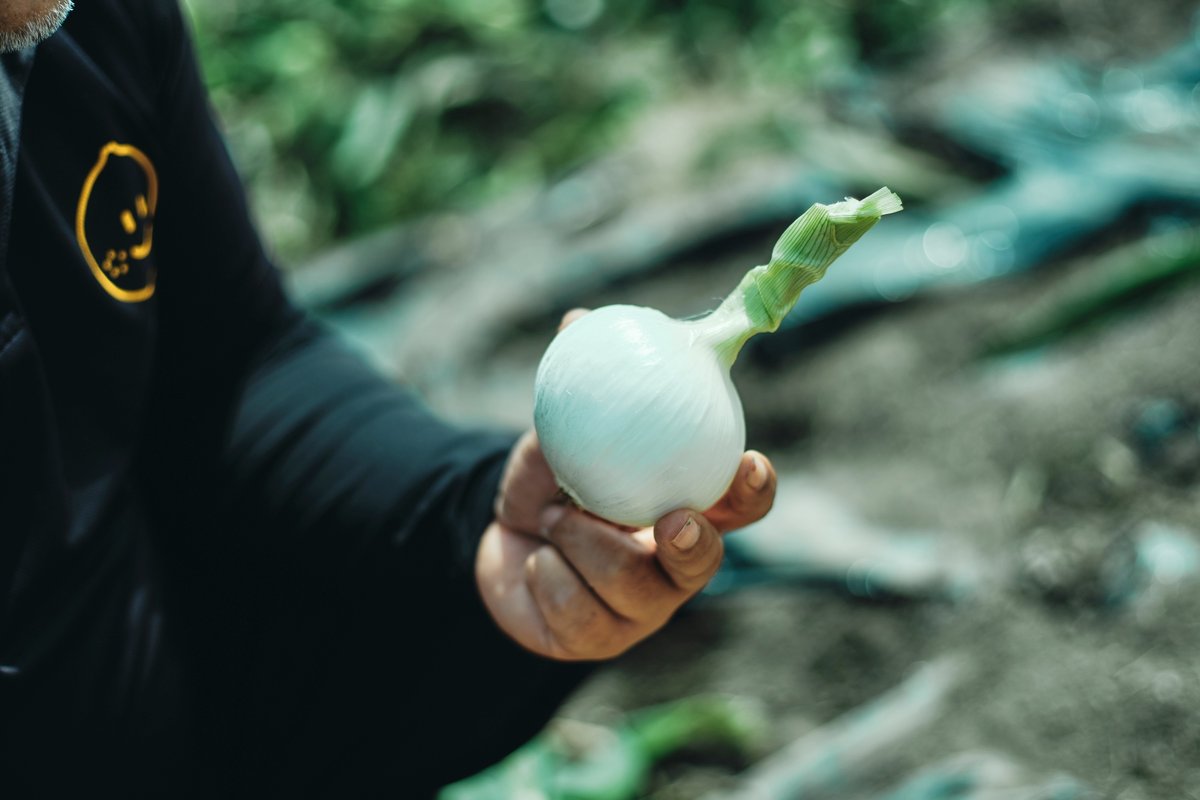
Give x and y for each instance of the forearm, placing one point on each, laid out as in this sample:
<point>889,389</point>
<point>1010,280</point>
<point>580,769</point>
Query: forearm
<point>360,500</point>
<point>344,470</point>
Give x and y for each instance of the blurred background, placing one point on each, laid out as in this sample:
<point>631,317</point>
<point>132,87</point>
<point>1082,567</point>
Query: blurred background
<point>982,575</point>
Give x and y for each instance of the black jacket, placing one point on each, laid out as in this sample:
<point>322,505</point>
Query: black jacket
<point>230,554</point>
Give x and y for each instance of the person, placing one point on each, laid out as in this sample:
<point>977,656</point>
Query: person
<point>233,559</point>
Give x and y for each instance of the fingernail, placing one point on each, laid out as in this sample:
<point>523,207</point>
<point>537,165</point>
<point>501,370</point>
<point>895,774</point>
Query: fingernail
<point>756,478</point>
<point>549,518</point>
<point>571,316</point>
<point>688,535</point>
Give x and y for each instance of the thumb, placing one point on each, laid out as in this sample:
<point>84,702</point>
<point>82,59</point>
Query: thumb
<point>689,549</point>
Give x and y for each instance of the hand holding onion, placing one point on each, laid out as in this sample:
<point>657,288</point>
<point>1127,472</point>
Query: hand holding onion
<point>638,421</point>
<point>568,585</point>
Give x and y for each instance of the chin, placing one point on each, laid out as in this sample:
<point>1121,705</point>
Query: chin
<point>24,24</point>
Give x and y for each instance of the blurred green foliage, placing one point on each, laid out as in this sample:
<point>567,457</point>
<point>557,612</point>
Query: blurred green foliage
<point>345,116</point>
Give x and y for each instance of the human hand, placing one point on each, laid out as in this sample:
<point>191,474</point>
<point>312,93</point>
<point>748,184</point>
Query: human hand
<point>568,585</point>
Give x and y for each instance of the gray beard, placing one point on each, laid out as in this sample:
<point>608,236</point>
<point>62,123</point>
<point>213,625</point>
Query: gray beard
<point>36,29</point>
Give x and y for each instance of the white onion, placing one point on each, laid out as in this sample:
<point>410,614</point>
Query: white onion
<point>636,413</point>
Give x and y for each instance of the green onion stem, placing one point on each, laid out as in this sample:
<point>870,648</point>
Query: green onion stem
<point>805,250</point>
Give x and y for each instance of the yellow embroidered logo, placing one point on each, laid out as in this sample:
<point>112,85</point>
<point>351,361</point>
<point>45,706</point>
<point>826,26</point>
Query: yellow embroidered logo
<point>114,222</point>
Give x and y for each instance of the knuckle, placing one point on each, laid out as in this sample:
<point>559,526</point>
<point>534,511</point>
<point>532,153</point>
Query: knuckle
<point>753,514</point>
<point>563,645</point>
<point>560,651</point>
<point>740,500</point>
<point>700,565</point>
<point>501,507</point>
<point>561,532</point>
<point>557,605</point>
<point>567,642</point>
<point>531,567</point>
<point>590,635</point>
<point>625,564</point>
<point>640,599</point>
<point>750,504</point>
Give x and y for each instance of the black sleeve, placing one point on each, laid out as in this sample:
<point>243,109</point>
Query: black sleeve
<point>349,475</point>
<point>322,522</point>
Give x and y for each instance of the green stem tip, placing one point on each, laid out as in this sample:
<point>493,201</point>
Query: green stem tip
<point>800,258</point>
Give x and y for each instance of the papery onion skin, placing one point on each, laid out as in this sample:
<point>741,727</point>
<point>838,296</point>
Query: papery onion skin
<point>637,416</point>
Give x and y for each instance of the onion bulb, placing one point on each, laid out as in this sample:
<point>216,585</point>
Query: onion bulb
<point>636,413</point>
